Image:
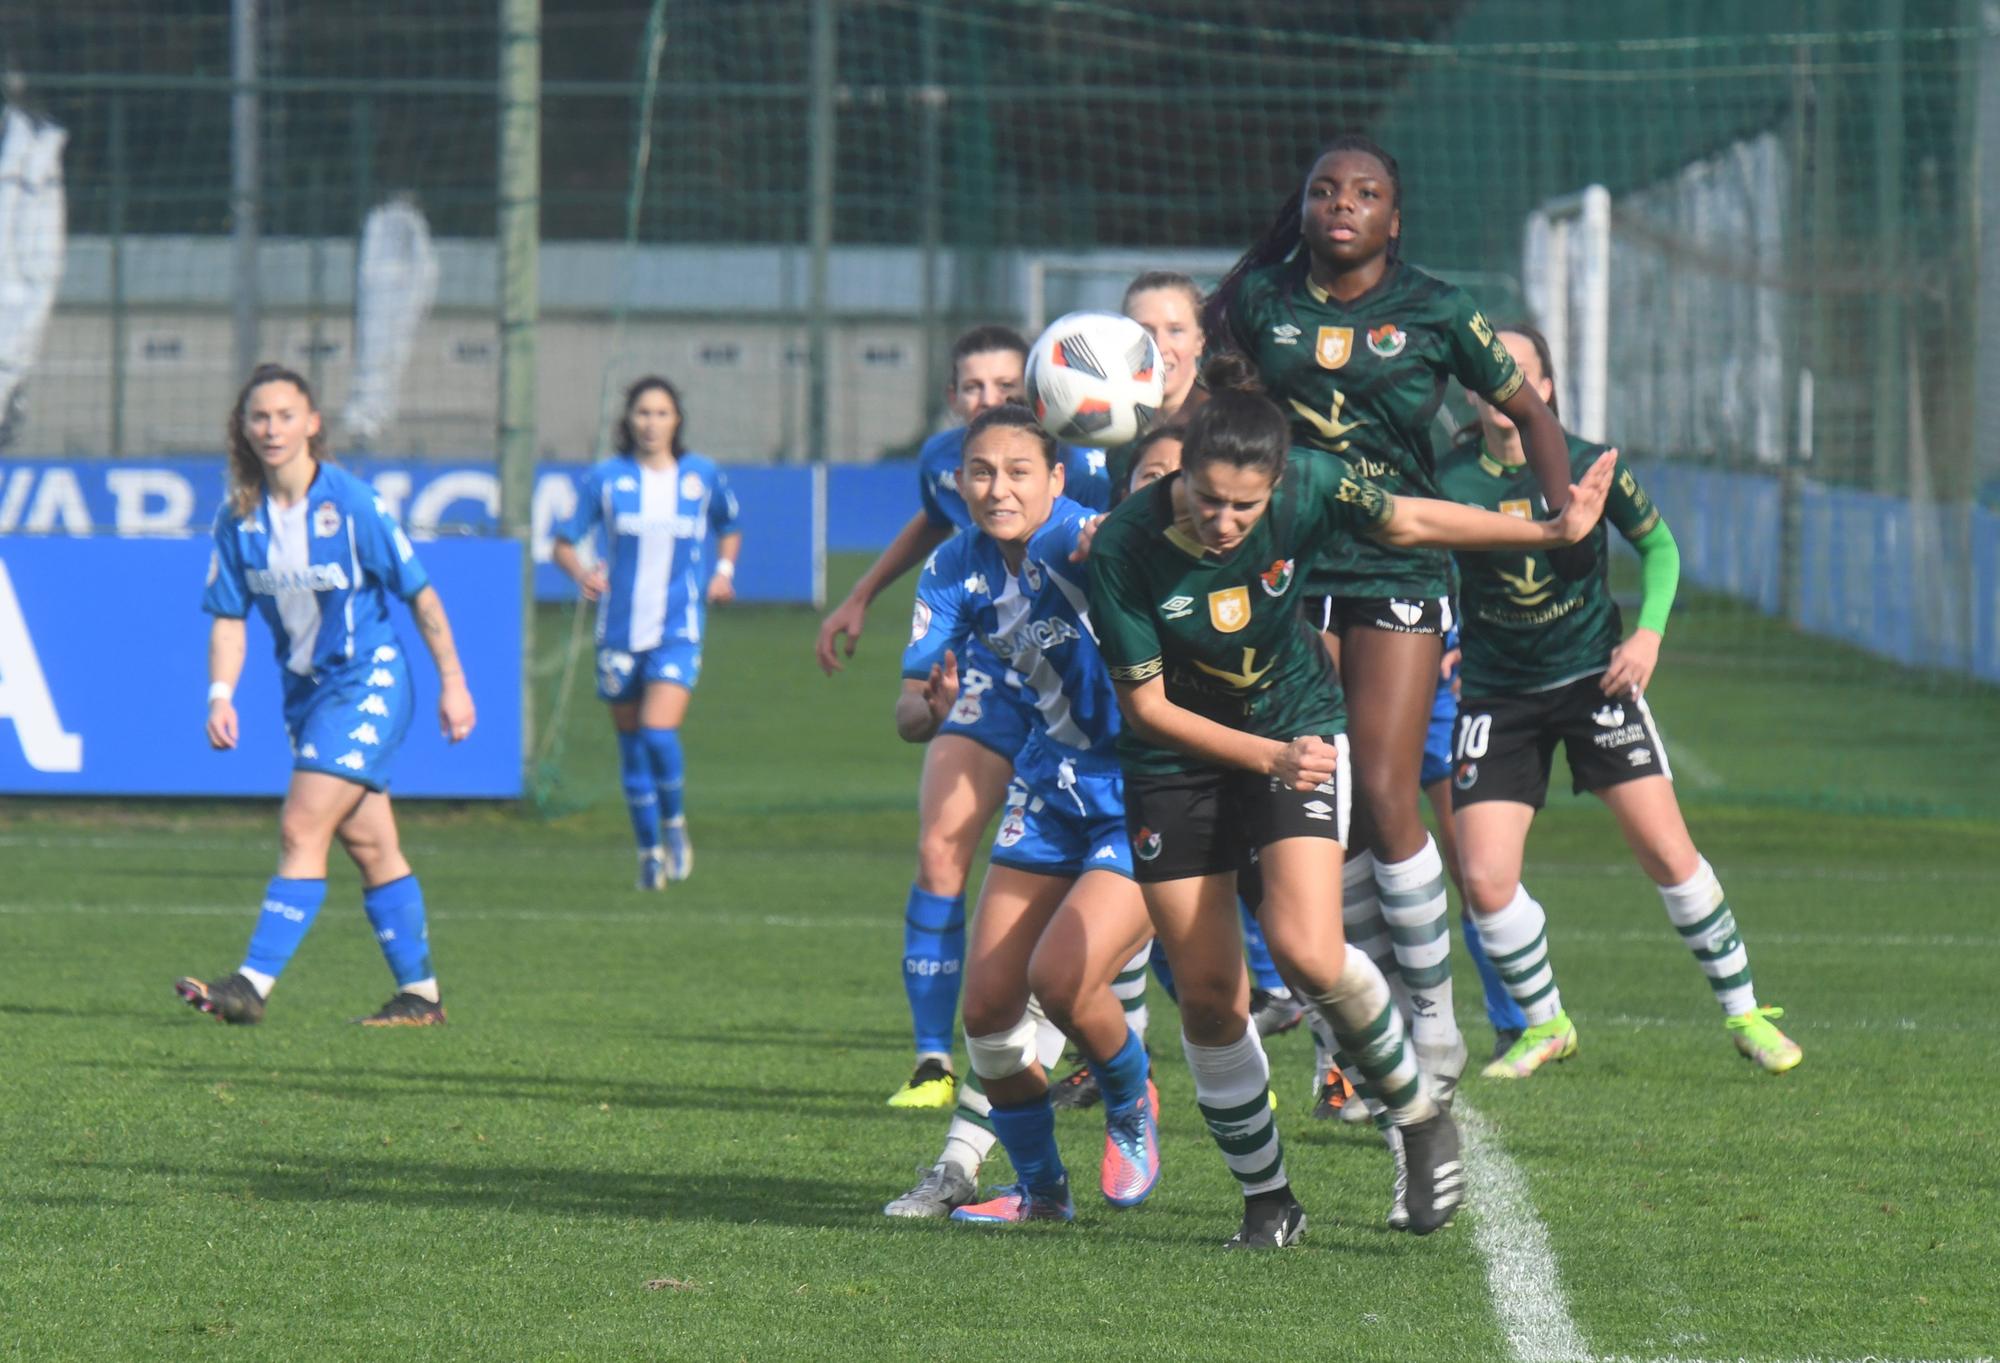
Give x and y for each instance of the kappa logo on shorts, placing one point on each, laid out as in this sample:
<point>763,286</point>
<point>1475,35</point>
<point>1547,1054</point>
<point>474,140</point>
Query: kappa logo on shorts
<point>385,654</point>
<point>309,752</point>
<point>1177,608</point>
<point>1318,809</point>
<point>1105,853</point>
<point>326,520</point>
<point>365,733</point>
<point>1468,775</point>
<point>1609,717</point>
<point>382,676</point>
<point>353,761</point>
<point>372,704</point>
<point>1147,845</point>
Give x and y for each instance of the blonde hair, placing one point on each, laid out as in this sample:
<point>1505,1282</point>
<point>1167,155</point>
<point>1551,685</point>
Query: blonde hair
<point>246,470</point>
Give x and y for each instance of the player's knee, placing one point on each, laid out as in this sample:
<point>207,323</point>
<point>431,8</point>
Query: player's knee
<point>301,832</point>
<point>1000,1052</point>
<point>944,860</point>
<point>1058,981</point>
<point>1489,889</point>
<point>1211,1007</point>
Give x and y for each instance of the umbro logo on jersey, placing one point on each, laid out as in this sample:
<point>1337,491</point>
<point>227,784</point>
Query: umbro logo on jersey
<point>1177,608</point>
<point>1610,717</point>
<point>1318,809</point>
<point>1285,334</point>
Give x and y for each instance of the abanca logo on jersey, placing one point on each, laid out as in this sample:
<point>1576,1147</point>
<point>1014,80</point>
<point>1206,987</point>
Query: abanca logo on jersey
<point>320,577</point>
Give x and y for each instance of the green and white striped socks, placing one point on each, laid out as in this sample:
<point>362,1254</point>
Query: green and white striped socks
<point>1701,915</point>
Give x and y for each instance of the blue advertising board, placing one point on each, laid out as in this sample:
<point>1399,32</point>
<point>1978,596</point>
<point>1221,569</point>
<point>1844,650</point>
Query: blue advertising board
<point>104,674</point>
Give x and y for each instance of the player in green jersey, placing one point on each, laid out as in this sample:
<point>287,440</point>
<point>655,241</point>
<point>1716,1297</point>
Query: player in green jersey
<point>1235,743</point>
<point>1168,306</point>
<point>1357,346</point>
<point>1544,663</point>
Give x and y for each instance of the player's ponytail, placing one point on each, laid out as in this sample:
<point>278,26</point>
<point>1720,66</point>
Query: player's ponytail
<point>1240,428</point>
<point>246,470</point>
<point>1229,372</point>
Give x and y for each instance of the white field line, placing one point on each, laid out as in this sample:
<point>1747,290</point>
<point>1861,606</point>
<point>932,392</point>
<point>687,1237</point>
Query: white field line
<point>1522,1275</point>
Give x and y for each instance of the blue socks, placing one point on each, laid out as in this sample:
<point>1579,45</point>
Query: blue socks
<point>289,909</point>
<point>1029,1134</point>
<point>1501,1010</point>
<point>1263,972</point>
<point>664,747</point>
<point>1122,1078</point>
<point>396,912</point>
<point>642,794</point>
<point>933,947</point>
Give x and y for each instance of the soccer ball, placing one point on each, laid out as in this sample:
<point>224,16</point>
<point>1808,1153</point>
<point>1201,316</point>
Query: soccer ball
<point>1095,378</point>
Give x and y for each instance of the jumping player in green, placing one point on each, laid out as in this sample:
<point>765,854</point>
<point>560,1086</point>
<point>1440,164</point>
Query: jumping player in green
<point>1544,662</point>
<point>1234,743</point>
<point>1357,346</point>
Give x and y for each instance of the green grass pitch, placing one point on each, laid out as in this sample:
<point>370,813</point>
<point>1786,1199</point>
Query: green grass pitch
<point>655,1126</point>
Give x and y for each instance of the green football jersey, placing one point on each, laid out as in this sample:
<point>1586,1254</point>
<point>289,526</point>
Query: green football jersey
<point>1225,630</point>
<point>1364,380</point>
<point>1524,628</point>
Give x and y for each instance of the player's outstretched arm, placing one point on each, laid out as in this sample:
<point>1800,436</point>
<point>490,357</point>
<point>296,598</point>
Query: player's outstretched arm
<point>922,705</point>
<point>455,713</point>
<point>913,543</point>
<point>1423,522</point>
<point>226,647</point>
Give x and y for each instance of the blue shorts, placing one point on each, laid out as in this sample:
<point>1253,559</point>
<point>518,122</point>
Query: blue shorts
<point>351,724</point>
<point>1064,816</point>
<point>623,676</point>
<point>1437,739</point>
<point>990,710</point>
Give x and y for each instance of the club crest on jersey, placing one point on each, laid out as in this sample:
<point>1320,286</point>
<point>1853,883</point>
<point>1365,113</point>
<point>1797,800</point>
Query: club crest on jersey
<point>1177,608</point>
<point>1468,775</point>
<point>691,485</point>
<point>1387,341</point>
<point>1284,333</point>
<point>920,622</point>
<point>1334,346</point>
<point>1147,845</point>
<point>1033,573</point>
<point>1519,507</point>
<point>1229,609</point>
<point>1013,827</point>
<point>326,520</point>
<point>1277,577</point>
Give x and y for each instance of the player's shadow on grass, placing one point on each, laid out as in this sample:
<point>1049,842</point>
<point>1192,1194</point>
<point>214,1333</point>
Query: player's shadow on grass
<point>482,1183</point>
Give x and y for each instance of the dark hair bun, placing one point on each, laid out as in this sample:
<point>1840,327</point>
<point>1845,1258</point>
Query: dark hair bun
<point>1226,371</point>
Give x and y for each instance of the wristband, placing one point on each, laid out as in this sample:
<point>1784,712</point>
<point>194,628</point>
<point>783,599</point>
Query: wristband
<point>726,568</point>
<point>219,691</point>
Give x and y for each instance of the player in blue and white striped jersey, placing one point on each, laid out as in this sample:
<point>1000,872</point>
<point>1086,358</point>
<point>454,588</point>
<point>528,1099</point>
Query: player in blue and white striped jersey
<point>967,766</point>
<point>312,550</point>
<point>1059,915</point>
<point>668,520</point>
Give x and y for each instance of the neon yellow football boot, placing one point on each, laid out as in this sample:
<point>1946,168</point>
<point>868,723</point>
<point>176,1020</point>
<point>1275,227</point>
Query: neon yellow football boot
<point>1760,1041</point>
<point>932,1086</point>
<point>1539,1045</point>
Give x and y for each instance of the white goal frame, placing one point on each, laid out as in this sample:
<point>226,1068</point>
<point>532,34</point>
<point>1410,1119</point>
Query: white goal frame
<point>1566,274</point>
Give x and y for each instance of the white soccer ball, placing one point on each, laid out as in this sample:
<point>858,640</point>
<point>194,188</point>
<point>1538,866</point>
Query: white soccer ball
<point>1094,378</point>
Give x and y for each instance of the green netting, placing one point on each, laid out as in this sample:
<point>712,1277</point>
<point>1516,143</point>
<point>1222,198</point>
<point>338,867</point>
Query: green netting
<point>1792,196</point>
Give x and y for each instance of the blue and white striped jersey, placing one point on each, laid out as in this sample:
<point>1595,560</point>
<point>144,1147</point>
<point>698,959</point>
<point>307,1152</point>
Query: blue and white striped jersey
<point>320,572</point>
<point>1035,620</point>
<point>1085,480</point>
<point>660,529</point>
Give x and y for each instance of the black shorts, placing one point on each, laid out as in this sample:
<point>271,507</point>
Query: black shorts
<point>1396,614</point>
<point>1207,822</point>
<point>1505,745</point>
